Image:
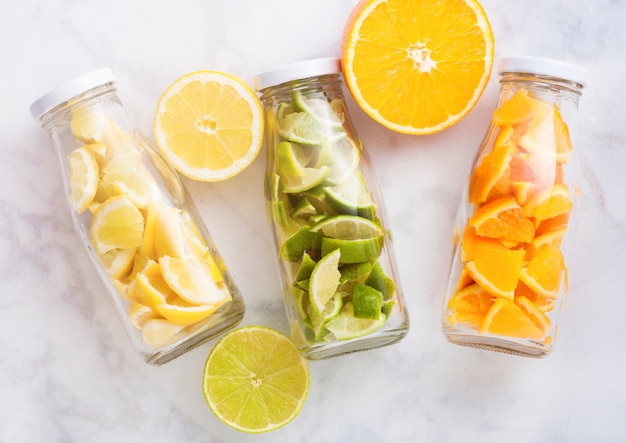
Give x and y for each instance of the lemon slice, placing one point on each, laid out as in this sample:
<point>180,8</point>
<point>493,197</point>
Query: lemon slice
<point>324,281</point>
<point>192,281</point>
<point>118,262</point>
<point>179,312</point>
<point>209,125</point>
<point>84,178</point>
<point>88,125</point>
<point>158,332</point>
<point>117,224</point>
<point>255,380</point>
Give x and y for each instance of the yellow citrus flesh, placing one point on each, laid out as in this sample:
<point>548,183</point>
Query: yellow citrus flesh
<point>209,125</point>
<point>84,178</point>
<point>417,67</point>
<point>255,380</point>
<point>117,224</point>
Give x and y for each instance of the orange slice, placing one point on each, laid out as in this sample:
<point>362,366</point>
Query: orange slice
<point>506,318</point>
<point>503,219</point>
<point>497,272</point>
<point>492,168</point>
<point>548,203</point>
<point>543,273</point>
<point>538,317</point>
<point>464,280</point>
<point>473,245</point>
<point>543,303</point>
<point>551,238</point>
<point>514,111</point>
<point>562,138</point>
<point>417,67</point>
<point>469,305</point>
<point>553,223</point>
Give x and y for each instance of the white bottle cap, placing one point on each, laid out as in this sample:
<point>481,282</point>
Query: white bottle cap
<point>543,66</point>
<point>70,89</point>
<point>296,71</point>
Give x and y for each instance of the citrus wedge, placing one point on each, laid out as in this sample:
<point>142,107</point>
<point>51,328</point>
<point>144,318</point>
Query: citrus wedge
<point>117,224</point>
<point>84,178</point>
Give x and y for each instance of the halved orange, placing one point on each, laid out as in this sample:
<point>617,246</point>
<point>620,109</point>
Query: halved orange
<point>543,273</point>
<point>506,318</point>
<point>548,203</point>
<point>417,67</point>
<point>503,219</point>
<point>469,305</point>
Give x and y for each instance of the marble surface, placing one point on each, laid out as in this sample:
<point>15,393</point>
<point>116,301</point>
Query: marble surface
<point>68,372</point>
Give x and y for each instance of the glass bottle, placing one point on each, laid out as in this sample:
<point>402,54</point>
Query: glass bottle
<point>340,288</point>
<point>158,263</point>
<point>513,231</point>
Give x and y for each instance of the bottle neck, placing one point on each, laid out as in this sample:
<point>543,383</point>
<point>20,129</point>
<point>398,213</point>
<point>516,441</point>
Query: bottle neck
<point>61,114</point>
<point>557,88</point>
<point>281,92</point>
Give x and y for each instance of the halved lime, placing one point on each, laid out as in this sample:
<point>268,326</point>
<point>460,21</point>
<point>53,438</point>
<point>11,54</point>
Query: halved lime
<point>346,326</point>
<point>351,197</point>
<point>354,251</point>
<point>324,280</point>
<point>366,301</point>
<point>300,241</point>
<point>255,380</point>
<point>348,227</point>
<point>318,106</point>
<point>310,178</point>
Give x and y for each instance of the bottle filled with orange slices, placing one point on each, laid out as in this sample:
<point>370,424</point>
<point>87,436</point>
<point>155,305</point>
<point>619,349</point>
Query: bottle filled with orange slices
<point>154,255</point>
<point>513,231</point>
<point>336,260</point>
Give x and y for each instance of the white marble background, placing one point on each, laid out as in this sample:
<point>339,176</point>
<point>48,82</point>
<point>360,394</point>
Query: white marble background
<point>67,371</point>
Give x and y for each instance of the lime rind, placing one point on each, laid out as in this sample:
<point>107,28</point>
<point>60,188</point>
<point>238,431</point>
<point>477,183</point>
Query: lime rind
<point>311,178</point>
<point>366,301</point>
<point>300,241</point>
<point>348,227</point>
<point>324,281</point>
<point>346,326</point>
<point>354,251</point>
<point>351,197</point>
<point>317,107</point>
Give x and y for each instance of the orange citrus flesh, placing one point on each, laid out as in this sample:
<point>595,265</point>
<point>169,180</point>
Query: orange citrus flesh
<point>417,67</point>
<point>513,269</point>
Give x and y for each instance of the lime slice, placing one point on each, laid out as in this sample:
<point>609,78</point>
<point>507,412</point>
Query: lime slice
<point>306,268</point>
<point>310,178</point>
<point>255,380</point>
<point>300,241</point>
<point>318,107</point>
<point>288,164</point>
<point>303,208</point>
<point>303,128</point>
<point>351,197</point>
<point>377,279</point>
<point>348,227</point>
<point>346,326</point>
<point>366,301</point>
<point>324,154</point>
<point>345,161</point>
<point>319,321</point>
<point>302,305</point>
<point>353,272</point>
<point>354,251</point>
<point>324,281</point>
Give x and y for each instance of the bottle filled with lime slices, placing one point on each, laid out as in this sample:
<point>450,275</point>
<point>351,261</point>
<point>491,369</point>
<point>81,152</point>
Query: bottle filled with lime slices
<point>154,255</point>
<point>513,234</point>
<point>340,287</point>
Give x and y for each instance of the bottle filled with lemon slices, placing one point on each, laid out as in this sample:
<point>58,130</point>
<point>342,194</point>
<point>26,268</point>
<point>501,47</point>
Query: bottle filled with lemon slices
<point>513,233</point>
<point>154,255</point>
<point>339,284</point>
